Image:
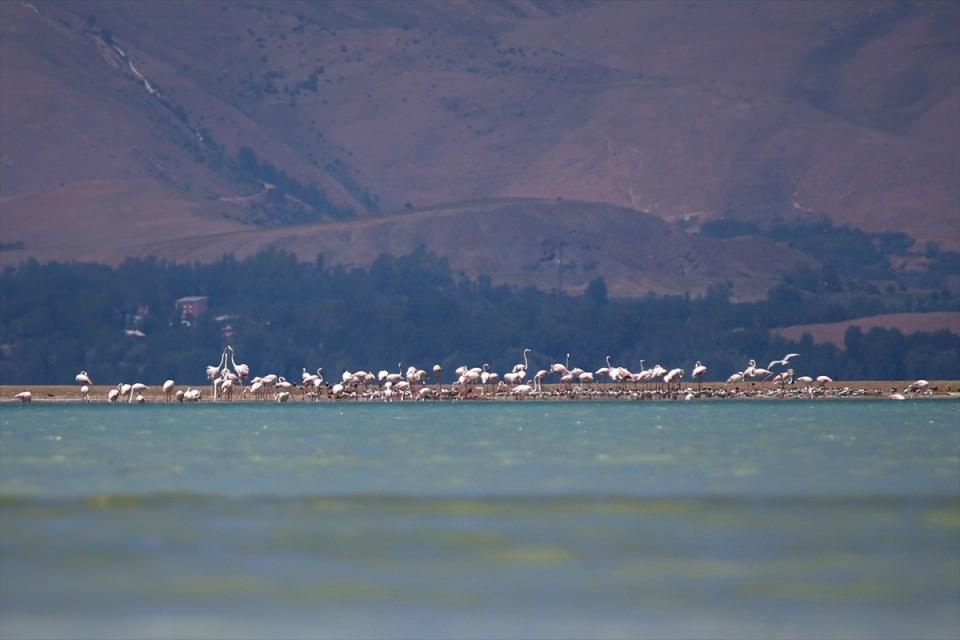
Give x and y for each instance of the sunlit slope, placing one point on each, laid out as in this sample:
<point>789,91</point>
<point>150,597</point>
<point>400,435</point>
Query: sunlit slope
<point>123,123</point>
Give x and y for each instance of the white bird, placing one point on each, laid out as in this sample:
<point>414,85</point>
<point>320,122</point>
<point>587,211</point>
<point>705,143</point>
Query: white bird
<point>180,395</point>
<point>517,368</point>
<point>24,396</point>
<point>226,388</point>
<point>805,379</point>
<point>82,378</point>
<point>824,380</point>
<point>393,377</point>
<point>672,376</point>
<point>283,396</point>
<point>538,379</point>
<point>140,399</point>
<point>783,361</point>
<point>137,387</point>
<point>168,387</point>
<point>241,369</point>
<point>256,387</point>
<point>213,372</point>
<point>561,368</point>
<point>521,390</point>
<point>699,370</point>
<point>113,395</point>
<point>736,377</point>
<point>784,377</point>
<point>919,385</point>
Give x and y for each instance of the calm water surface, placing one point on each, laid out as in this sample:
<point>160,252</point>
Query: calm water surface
<point>831,519</point>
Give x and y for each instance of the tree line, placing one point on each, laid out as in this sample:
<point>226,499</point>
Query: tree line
<point>282,315</point>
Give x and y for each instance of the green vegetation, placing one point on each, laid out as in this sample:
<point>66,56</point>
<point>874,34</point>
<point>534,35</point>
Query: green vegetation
<point>851,259</point>
<point>276,207</point>
<point>281,315</point>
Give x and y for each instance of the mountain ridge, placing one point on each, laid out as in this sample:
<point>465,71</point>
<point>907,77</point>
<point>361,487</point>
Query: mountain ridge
<point>217,118</point>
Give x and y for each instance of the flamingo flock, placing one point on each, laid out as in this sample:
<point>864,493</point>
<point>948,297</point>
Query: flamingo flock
<point>230,381</point>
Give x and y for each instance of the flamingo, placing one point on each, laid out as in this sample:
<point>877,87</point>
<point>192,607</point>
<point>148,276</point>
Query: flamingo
<point>735,377</point>
<point>919,385</point>
<point>85,393</point>
<point>559,368</point>
<point>698,372</point>
<point>179,395</point>
<point>783,361</point>
<point>824,380</point>
<point>213,373</point>
<point>392,378</point>
<point>136,387</point>
<point>24,397</point>
<point>168,387</point>
<point>521,390</point>
<point>241,370</point>
<point>83,378</point>
<point>753,371</point>
<point>517,368</point>
<point>256,386</point>
<point>113,395</point>
<point>672,376</point>
<point>437,372</point>
<point>538,379</point>
<point>226,389</point>
<point>268,381</point>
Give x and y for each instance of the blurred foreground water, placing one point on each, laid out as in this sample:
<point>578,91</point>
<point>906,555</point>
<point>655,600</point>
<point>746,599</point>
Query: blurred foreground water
<point>739,519</point>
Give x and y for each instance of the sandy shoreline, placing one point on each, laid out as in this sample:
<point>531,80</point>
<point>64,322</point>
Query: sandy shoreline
<point>555,392</point>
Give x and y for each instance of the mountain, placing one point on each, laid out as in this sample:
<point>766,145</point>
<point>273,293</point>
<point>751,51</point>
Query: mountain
<point>487,132</point>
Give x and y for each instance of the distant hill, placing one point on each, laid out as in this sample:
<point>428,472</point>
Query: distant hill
<point>906,323</point>
<point>348,128</point>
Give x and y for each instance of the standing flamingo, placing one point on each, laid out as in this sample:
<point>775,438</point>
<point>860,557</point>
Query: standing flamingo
<point>213,373</point>
<point>698,372</point>
<point>136,388</point>
<point>241,370</point>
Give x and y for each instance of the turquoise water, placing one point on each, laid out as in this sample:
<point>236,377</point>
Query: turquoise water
<point>736,519</point>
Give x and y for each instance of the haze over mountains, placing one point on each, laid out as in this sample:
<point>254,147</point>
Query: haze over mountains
<point>538,142</point>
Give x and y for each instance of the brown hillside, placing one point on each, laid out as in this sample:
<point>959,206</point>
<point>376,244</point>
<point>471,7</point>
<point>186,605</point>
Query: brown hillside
<point>686,110</point>
<point>634,252</point>
<point>832,332</point>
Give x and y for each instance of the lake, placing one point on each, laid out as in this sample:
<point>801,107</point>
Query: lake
<point>525,519</point>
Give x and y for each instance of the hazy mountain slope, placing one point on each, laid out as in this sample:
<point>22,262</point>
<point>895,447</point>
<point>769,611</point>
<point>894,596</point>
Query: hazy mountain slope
<point>686,110</point>
<point>521,242</point>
